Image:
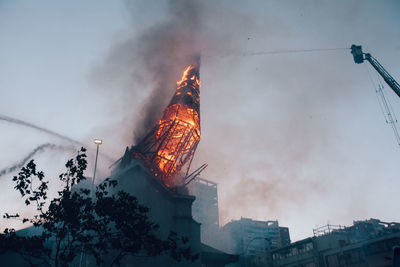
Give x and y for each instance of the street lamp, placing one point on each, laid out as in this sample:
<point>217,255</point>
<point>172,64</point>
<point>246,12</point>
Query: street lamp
<point>98,142</point>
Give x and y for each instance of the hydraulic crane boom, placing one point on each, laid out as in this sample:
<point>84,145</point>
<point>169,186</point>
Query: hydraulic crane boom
<point>359,57</point>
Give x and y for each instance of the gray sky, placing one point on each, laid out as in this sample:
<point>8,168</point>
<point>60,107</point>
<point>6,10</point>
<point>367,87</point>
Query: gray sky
<point>297,137</point>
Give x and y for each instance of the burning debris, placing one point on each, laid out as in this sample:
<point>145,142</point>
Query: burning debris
<point>168,149</point>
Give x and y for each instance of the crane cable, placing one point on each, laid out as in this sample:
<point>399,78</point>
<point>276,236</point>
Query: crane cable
<point>385,105</point>
<point>391,115</point>
<point>390,103</point>
<point>375,87</point>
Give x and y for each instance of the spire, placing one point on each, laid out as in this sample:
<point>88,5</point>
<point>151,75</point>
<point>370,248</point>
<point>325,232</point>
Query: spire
<point>168,149</point>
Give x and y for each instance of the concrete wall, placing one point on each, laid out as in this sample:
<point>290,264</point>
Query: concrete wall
<point>171,211</point>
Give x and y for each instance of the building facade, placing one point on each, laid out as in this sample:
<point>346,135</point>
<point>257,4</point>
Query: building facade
<point>254,240</point>
<point>365,243</point>
<point>205,208</point>
<point>173,212</point>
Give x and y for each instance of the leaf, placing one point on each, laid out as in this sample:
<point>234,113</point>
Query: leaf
<point>101,224</point>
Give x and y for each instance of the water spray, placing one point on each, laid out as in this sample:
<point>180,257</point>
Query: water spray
<point>38,149</point>
<point>43,130</point>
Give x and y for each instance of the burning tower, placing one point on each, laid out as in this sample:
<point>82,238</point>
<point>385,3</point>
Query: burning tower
<point>168,149</point>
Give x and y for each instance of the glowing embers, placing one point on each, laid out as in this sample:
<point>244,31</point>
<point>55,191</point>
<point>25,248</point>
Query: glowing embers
<point>170,146</point>
<point>180,131</point>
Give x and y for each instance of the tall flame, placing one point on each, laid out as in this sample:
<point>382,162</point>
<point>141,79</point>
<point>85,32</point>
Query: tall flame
<point>173,141</point>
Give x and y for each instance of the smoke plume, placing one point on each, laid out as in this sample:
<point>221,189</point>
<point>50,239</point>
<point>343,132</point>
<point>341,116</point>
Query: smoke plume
<point>165,49</point>
<point>152,61</point>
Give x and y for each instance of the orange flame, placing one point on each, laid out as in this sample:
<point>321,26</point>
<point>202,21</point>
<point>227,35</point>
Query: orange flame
<point>179,128</point>
<point>173,141</point>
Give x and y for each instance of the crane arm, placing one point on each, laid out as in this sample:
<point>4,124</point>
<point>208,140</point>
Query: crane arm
<point>385,75</point>
<point>359,57</point>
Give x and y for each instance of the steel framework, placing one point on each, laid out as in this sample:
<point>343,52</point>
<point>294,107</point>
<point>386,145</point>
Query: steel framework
<point>168,149</point>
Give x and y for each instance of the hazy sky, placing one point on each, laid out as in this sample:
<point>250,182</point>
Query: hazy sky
<point>297,137</point>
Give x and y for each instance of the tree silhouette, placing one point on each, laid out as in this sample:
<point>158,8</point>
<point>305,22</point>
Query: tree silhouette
<point>108,226</point>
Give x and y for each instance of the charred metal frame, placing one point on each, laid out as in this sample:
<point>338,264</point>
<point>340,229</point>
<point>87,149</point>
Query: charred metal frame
<point>168,149</point>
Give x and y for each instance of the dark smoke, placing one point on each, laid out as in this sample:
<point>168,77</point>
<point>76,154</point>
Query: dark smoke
<point>155,58</point>
<point>164,50</point>
<point>32,153</point>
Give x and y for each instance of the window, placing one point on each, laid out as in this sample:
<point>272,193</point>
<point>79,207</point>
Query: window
<point>353,256</point>
<point>332,260</point>
<point>376,247</point>
<point>310,264</point>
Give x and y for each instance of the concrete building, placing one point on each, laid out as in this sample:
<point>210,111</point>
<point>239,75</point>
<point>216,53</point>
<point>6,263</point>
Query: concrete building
<point>365,243</point>
<point>374,252</point>
<point>205,208</point>
<point>284,236</point>
<point>254,240</point>
<point>173,212</point>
